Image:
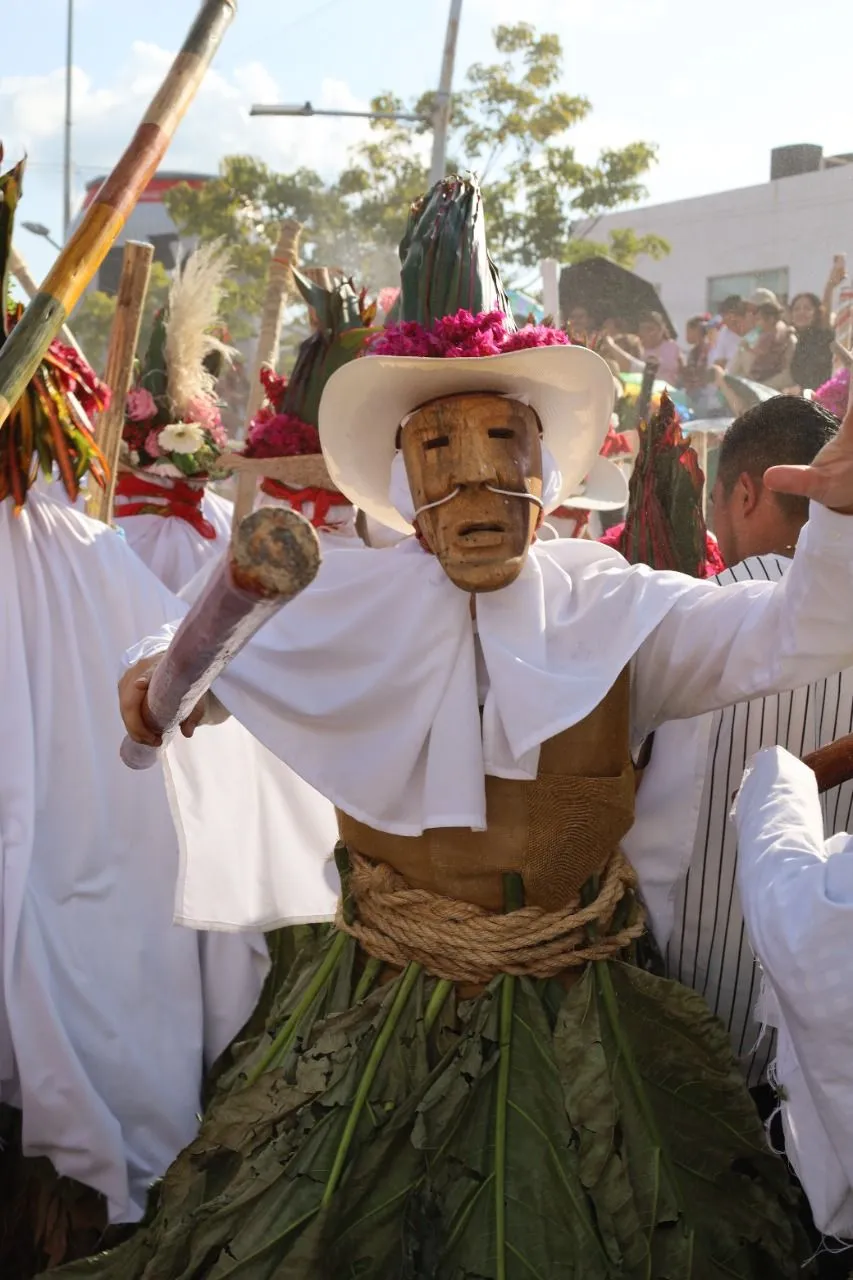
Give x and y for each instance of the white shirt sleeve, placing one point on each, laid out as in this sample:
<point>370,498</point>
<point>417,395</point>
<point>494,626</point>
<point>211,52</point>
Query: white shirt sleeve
<point>724,348</point>
<point>797,895</point>
<point>719,645</point>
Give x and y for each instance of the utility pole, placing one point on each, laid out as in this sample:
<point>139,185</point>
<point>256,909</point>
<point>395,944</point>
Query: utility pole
<point>441,121</point>
<point>69,61</point>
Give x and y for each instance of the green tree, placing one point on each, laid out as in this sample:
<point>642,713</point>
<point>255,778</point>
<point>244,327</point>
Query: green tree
<point>92,318</point>
<point>510,124</point>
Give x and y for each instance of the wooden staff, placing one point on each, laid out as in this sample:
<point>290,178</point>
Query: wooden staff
<point>21,272</point>
<point>83,254</point>
<point>124,335</point>
<point>274,555</point>
<point>279,284</point>
<point>832,765</point>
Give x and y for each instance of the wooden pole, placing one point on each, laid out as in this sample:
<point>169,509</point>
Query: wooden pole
<point>83,254</point>
<point>279,284</point>
<point>21,272</point>
<point>124,335</point>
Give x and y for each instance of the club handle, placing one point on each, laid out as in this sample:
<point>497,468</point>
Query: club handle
<point>138,755</point>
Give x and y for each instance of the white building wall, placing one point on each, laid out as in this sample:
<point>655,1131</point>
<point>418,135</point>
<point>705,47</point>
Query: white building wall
<point>795,223</point>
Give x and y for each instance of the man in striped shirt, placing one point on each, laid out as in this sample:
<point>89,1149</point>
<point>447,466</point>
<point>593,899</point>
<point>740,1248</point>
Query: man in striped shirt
<point>757,529</point>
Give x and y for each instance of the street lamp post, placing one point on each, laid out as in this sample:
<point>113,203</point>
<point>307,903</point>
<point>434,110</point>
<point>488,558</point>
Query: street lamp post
<point>440,119</point>
<point>441,122</point>
<point>306,109</point>
<point>39,229</point>
<point>69,58</point>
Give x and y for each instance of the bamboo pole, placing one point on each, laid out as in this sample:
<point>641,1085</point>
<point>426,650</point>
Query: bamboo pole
<point>124,335</point>
<point>279,284</point>
<point>21,272</point>
<point>82,255</point>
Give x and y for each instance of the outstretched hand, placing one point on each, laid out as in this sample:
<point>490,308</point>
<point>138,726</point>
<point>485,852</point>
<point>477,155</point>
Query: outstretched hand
<point>829,479</point>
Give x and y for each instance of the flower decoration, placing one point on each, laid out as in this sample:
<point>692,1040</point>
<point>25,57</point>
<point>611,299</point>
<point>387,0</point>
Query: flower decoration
<point>285,425</point>
<point>173,426</point>
<point>51,423</point>
<point>463,335</point>
<point>834,395</point>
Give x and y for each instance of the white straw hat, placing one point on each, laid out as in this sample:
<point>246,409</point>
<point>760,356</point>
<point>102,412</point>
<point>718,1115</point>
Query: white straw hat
<point>604,489</point>
<point>570,388</point>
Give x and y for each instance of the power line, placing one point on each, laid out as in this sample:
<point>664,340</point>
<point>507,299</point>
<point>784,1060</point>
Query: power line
<point>306,17</point>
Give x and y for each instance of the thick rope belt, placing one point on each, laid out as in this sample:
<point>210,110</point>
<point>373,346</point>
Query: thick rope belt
<point>465,943</point>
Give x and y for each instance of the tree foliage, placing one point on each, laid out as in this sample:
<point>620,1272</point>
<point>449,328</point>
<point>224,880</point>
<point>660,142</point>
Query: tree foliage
<point>510,124</point>
<point>92,319</point>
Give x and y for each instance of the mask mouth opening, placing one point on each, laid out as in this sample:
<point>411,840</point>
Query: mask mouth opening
<point>467,530</point>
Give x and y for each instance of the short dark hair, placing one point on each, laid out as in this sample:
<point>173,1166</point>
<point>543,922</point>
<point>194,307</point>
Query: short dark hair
<point>733,303</point>
<point>782,431</point>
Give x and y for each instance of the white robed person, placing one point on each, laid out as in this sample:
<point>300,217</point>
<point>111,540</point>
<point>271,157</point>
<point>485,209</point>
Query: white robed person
<point>109,1013</point>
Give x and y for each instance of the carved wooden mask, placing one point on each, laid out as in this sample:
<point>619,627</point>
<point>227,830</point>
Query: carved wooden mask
<point>470,442</point>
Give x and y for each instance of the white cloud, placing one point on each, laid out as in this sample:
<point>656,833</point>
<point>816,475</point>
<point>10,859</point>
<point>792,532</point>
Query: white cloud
<point>108,108</point>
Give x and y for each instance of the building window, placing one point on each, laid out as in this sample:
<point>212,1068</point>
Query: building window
<point>721,287</point>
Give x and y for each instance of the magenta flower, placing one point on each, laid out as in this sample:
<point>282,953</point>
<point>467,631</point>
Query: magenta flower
<point>463,336</point>
<point>833,394</point>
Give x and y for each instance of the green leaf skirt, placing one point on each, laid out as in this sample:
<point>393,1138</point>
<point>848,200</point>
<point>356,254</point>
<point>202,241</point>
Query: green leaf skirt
<point>391,1130</point>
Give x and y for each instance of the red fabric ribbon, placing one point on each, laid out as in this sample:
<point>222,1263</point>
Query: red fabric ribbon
<point>580,517</point>
<point>323,499</point>
<point>182,500</point>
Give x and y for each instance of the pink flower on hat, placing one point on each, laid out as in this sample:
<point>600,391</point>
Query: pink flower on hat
<point>141,405</point>
<point>386,299</point>
<point>281,436</point>
<point>464,336</point>
<point>202,410</point>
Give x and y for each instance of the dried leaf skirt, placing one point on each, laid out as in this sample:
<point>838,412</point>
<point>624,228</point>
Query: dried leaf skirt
<point>392,1131</point>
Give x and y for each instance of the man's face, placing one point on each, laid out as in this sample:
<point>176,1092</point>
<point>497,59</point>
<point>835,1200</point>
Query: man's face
<point>737,322</point>
<point>470,442</point>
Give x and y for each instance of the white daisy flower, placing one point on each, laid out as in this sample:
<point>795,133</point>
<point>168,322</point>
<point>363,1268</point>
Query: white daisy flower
<point>182,437</point>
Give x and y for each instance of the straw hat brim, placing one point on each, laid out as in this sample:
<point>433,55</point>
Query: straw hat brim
<point>570,388</point>
<point>298,471</point>
<point>605,489</point>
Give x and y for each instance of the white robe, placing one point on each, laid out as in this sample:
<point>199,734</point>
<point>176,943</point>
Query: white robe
<point>108,1009</point>
<point>171,548</point>
<point>797,895</point>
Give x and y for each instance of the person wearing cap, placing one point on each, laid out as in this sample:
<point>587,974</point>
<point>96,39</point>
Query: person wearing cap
<point>473,1077</point>
<point>776,345</point>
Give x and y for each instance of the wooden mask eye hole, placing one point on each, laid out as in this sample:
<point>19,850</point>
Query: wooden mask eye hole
<point>501,433</point>
<point>437,442</point>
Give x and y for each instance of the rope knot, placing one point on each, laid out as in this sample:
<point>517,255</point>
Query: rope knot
<point>465,943</point>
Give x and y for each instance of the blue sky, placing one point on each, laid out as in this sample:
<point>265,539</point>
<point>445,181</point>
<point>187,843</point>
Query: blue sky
<point>715,85</point>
